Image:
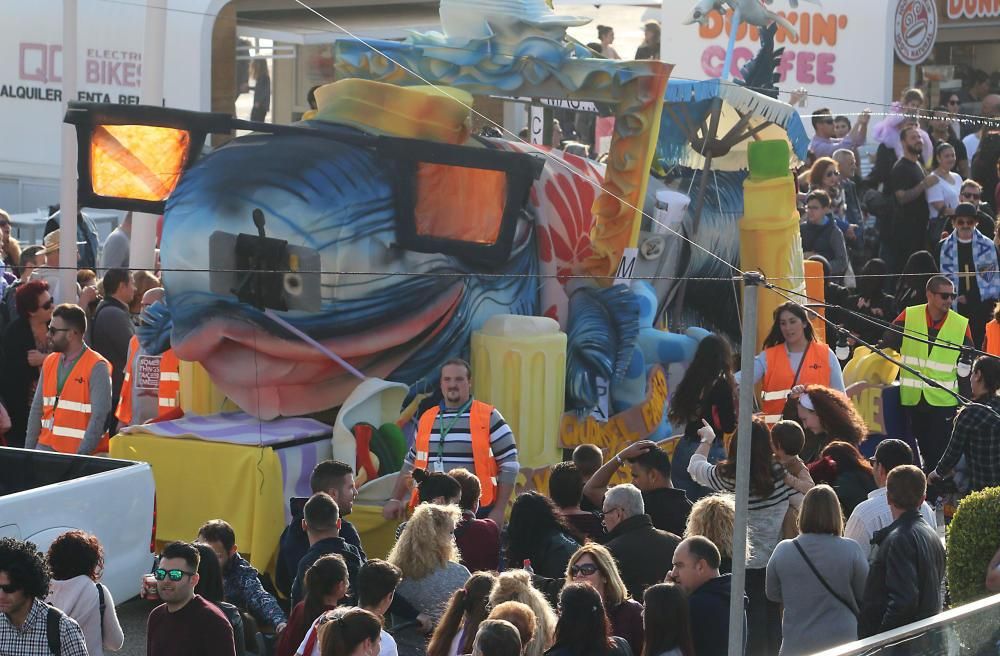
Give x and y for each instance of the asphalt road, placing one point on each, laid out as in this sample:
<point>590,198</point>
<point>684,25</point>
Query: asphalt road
<point>132,615</point>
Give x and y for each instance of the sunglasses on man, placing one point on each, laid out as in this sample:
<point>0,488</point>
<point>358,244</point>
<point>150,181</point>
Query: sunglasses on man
<point>10,588</point>
<point>175,575</point>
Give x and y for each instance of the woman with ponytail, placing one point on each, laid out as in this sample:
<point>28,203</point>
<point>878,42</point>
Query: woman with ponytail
<point>326,585</point>
<point>456,630</point>
<point>434,487</point>
<point>355,633</point>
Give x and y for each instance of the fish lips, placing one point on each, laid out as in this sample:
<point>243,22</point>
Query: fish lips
<point>269,373</point>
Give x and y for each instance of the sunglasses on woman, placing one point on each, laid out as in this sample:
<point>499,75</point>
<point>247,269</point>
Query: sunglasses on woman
<point>172,574</point>
<point>587,569</point>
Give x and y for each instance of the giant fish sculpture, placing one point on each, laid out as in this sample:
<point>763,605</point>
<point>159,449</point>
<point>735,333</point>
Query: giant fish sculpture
<point>391,310</point>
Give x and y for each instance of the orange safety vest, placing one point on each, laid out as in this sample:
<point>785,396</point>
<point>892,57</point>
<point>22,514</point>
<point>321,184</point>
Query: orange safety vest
<point>170,383</point>
<point>992,343</point>
<point>780,378</point>
<point>65,416</point>
<point>482,454</point>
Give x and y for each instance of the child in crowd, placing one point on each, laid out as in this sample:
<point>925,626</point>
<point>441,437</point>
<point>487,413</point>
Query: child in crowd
<point>787,440</point>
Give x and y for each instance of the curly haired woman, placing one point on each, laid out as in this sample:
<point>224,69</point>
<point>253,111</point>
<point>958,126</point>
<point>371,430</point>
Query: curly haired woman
<point>428,558</point>
<point>828,416</point>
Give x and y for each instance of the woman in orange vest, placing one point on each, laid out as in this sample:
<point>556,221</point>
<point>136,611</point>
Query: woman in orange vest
<point>792,356</point>
<point>992,342</point>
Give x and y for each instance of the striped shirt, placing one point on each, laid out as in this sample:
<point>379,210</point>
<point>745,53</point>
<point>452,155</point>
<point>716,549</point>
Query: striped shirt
<point>766,514</point>
<point>457,451</point>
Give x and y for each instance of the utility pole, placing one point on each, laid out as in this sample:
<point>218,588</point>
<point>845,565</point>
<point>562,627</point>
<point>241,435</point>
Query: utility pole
<point>67,173</point>
<point>142,249</point>
<point>751,283</point>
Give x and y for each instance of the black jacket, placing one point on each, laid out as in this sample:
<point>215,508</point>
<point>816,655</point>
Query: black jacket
<point>552,555</point>
<point>904,582</point>
<point>710,605</point>
<point>350,554</point>
<point>645,554</point>
<point>668,507</point>
<point>294,544</point>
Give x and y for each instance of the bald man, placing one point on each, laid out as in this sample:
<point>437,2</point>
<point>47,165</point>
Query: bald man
<point>152,382</point>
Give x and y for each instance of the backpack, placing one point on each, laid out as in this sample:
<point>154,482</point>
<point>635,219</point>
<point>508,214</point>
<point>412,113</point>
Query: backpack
<point>100,604</point>
<point>52,619</point>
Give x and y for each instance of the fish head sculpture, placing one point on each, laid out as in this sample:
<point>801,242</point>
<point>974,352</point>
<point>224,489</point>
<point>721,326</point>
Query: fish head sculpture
<point>335,233</point>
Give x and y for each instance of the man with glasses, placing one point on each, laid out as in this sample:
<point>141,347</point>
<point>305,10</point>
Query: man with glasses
<point>824,142</point>
<point>972,192</point>
<point>185,624</point>
<point>644,553</point>
<point>29,626</point>
<point>969,259</point>
<point>930,338</point>
<point>70,409</point>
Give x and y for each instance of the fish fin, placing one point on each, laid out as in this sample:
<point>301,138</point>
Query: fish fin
<point>603,328</point>
<point>759,73</point>
<point>154,333</point>
<point>782,21</point>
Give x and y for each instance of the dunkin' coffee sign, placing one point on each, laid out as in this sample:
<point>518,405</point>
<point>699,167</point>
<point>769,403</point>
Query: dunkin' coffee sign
<point>959,9</point>
<point>915,30</point>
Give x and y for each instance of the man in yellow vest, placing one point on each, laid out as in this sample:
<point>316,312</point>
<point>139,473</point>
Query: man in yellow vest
<point>462,433</point>
<point>73,399</point>
<point>930,409</point>
<point>152,382</point>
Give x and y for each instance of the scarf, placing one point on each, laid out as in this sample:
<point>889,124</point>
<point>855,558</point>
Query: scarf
<point>984,258</point>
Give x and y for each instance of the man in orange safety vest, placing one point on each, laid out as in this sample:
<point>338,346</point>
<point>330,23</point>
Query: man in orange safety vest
<point>462,432</point>
<point>72,402</point>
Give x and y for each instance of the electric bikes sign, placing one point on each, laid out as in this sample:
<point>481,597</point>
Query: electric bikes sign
<point>915,30</point>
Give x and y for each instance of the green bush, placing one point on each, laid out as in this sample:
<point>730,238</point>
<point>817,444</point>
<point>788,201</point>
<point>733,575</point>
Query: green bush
<point>973,538</point>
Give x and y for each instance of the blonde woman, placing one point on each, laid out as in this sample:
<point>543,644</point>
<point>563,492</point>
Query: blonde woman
<point>713,517</point>
<point>428,558</point>
<point>515,585</point>
<point>593,564</point>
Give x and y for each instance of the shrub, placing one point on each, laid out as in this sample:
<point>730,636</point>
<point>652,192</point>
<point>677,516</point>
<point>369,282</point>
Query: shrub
<point>973,538</point>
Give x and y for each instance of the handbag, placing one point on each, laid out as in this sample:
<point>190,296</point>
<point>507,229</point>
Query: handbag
<point>826,585</point>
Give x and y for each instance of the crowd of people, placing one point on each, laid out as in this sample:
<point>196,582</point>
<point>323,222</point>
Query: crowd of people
<point>92,342</point>
<point>838,548</point>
